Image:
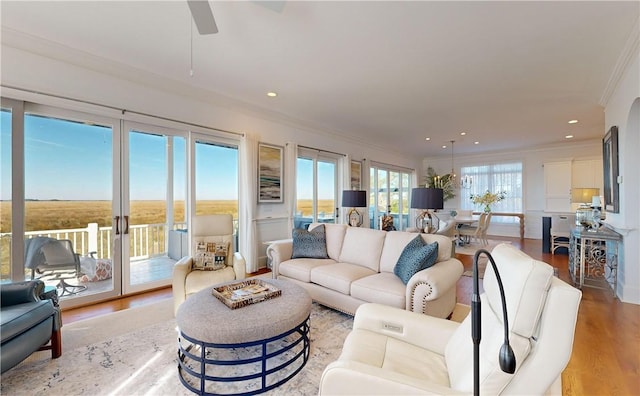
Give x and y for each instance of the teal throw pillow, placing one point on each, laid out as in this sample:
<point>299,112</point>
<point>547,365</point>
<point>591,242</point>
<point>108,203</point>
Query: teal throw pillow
<point>310,244</point>
<point>416,256</point>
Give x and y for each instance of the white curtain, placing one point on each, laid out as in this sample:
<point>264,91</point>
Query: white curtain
<point>248,197</point>
<point>495,178</point>
<point>345,184</point>
<point>366,183</point>
<point>290,176</point>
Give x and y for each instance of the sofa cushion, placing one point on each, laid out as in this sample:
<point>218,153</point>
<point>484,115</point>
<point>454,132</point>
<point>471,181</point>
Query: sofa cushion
<point>300,269</point>
<point>16,319</point>
<point>383,288</point>
<point>310,244</point>
<point>394,243</point>
<point>335,237</point>
<point>416,256</point>
<point>362,246</point>
<point>339,276</point>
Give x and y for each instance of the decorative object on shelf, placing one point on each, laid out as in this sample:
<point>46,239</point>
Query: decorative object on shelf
<point>354,199</point>
<point>270,173</point>
<point>427,199</point>
<point>610,160</point>
<point>487,199</point>
<point>453,213</point>
<point>432,180</point>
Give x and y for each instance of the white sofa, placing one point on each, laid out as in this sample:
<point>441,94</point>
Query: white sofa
<point>360,270</point>
<point>395,352</point>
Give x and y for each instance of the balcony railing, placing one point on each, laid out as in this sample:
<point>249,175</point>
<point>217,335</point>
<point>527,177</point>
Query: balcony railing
<point>146,241</point>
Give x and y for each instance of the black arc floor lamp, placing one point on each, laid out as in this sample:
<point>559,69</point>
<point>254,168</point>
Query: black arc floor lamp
<point>506,357</point>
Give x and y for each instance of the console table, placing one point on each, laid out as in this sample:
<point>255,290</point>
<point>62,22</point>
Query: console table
<point>593,257</point>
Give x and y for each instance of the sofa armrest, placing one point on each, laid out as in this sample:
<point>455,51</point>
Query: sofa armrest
<point>180,271</point>
<point>355,378</point>
<point>405,326</point>
<point>433,283</point>
<point>278,252</point>
<point>239,266</point>
<point>21,292</point>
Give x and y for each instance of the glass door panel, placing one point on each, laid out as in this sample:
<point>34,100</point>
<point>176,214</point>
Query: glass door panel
<point>5,195</point>
<point>326,191</point>
<point>154,210</point>
<point>216,180</point>
<point>69,175</point>
<point>305,208</point>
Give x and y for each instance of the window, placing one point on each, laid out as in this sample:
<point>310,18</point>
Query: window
<point>316,186</point>
<point>389,193</point>
<point>495,178</point>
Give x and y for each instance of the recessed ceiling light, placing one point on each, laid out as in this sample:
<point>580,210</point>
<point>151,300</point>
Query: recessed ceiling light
<point>573,122</point>
<point>427,139</point>
<point>569,137</point>
<point>444,146</point>
<point>476,142</point>
<point>272,94</point>
<point>462,133</point>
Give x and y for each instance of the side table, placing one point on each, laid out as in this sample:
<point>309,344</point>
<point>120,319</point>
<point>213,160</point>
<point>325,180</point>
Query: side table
<point>593,257</point>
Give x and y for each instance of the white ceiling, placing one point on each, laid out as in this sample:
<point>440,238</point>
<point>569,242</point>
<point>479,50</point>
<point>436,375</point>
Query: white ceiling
<point>510,74</point>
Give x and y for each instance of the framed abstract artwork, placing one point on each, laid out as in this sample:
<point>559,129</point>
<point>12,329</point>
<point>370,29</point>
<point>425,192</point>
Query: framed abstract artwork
<point>270,173</point>
<point>611,170</point>
<point>356,175</point>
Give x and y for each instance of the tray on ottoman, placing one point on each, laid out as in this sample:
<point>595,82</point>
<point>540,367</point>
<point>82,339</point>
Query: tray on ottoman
<point>240,294</point>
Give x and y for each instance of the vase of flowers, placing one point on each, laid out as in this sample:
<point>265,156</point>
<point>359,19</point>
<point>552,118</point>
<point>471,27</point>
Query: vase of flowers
<point>487,199</point>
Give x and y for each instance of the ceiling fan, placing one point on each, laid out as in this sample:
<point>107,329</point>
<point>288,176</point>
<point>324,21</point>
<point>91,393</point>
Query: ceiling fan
<point>203,16</point>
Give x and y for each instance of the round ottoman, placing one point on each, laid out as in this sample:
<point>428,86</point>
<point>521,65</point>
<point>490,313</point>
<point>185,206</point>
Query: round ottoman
<point>247,350</point>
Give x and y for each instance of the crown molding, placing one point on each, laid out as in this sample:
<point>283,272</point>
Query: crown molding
<point>628,54</point>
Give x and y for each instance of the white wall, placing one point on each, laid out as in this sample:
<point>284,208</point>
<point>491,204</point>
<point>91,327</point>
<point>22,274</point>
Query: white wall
<point>623,111</point>
<point>533,177</point>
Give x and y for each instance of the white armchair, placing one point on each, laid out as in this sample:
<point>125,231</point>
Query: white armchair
<point>393,351</point>
<point>186,280</point>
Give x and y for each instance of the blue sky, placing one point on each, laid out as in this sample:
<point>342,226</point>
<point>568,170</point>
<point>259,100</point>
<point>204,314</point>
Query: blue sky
<point>74,161</point>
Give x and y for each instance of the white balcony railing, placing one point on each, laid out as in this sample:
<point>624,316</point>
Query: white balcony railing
<point>146,240</point>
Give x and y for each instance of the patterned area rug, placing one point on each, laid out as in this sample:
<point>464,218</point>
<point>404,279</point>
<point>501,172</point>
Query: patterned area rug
<point>471,248</point>
<point>100,358</point>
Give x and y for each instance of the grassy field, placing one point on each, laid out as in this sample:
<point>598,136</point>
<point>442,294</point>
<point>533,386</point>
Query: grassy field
<point>61,215</point>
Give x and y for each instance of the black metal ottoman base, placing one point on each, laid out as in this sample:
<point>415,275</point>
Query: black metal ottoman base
<point>265,364</point>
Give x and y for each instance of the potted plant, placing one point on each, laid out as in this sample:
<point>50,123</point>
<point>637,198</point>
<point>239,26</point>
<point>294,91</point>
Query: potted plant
<point>487,199</point>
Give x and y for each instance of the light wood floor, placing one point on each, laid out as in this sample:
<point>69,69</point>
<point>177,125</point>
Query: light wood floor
<point>606,350</point>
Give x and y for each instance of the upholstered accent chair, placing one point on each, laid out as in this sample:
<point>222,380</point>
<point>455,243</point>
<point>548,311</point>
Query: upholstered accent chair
<point>392,351</point>
<point>29,322</point>
<point>188,277</point>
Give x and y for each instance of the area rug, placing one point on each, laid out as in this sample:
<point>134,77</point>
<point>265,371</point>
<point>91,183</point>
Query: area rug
<point>134,352</point>
<point>471,248</point>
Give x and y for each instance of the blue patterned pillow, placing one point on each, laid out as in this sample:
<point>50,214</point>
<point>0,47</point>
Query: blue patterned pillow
<point>310,244</point>
<point>416,256</point>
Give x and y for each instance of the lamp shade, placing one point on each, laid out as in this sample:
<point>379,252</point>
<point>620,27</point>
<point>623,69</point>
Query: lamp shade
<point>354,199</point>
<point>584,195</point>
<point>427,198</point>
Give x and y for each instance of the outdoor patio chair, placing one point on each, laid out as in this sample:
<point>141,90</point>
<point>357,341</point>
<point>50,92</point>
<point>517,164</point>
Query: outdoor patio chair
<point>53,259</point>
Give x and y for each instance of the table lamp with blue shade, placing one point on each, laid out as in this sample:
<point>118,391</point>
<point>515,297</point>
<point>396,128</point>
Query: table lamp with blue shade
<point>354,199</point>
<point>427,198</point>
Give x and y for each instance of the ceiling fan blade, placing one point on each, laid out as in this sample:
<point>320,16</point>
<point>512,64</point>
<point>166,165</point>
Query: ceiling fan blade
<point>203,16</point>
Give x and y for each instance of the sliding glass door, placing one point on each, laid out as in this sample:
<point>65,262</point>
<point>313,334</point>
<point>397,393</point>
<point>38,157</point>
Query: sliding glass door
<point>153,222</point>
